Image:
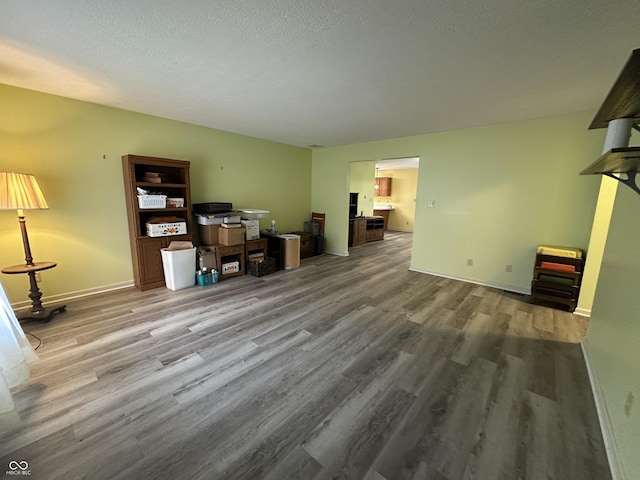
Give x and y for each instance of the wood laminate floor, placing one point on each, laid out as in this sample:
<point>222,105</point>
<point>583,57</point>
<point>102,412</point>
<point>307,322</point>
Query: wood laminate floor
<point>348,367</point>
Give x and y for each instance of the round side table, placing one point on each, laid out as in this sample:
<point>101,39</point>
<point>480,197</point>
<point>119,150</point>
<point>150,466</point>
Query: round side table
<point>37,312</point>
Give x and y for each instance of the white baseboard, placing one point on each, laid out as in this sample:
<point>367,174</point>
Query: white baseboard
<point>343,254</point>
<point>77,294</point>
<point>610,445</point>
<point>583,312</point>
<point>508,288</point>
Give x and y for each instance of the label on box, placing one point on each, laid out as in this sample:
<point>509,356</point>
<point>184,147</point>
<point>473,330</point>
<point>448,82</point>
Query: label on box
<point>230,267</point>
<point>166,229</point>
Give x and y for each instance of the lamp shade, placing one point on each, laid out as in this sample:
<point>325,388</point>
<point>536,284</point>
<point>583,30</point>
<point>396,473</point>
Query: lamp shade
<point>20,191</point>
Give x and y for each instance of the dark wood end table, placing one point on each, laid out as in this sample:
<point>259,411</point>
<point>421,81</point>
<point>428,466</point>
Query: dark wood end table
<point>37,312</point>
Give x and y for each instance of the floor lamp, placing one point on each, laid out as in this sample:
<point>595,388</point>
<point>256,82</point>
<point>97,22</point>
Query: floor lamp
<point>19,191</point>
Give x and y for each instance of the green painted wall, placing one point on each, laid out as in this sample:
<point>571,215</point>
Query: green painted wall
<point>361,175</point>
<point>614,328</point>
<point>74,149</point>
<point>499,191</point>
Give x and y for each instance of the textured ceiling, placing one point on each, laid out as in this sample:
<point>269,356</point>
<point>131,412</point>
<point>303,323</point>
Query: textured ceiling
<point>324,72</point>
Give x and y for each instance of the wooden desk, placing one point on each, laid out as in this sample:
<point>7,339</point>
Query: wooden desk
<point>37,312</point>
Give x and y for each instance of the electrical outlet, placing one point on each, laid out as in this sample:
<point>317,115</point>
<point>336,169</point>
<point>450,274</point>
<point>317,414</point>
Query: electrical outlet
<point>469,262</point>
<point>508,268</point>
<point>38,277</point>
<point>431,203</point>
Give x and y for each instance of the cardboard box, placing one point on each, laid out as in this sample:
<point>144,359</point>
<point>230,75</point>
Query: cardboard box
<point>166,229</point>
<point>175,202</point>
<point>180,245</point>
<point>208,234</point>
<point>206,258</point>
<point>231,236</point>
<point>253,229</point>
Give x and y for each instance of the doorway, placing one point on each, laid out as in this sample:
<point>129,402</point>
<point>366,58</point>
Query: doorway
<point>382,198</point>
<point>395,196</point>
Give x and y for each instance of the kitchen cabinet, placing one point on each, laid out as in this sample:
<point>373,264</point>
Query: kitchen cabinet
<point>173,178</point>
<point>382,187</point>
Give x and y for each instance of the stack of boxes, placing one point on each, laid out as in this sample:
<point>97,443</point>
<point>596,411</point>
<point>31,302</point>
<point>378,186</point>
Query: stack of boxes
<point>223,233</point>
<point>222,239</point>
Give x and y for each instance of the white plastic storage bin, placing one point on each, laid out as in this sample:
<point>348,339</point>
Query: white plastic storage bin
<point>179,268</point>
<point>253,214</point>
<point>152,201</point>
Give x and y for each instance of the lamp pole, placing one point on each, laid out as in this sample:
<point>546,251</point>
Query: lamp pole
<point>25,238</point>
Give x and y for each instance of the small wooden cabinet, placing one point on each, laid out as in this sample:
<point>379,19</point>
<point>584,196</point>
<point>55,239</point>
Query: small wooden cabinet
<point>375,229</point>
<point>382,187</point>
<point>150,271</point>
<point>359,231</point>
<point>366,229</point>
<point>258,245</point>
<point>145,251</point>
